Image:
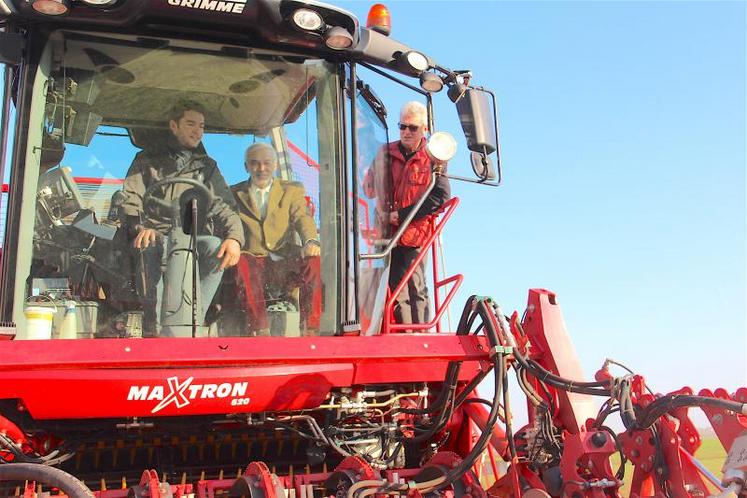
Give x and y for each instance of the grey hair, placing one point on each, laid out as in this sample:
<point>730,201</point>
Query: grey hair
<point>417,109</point>
<point>259,146</point>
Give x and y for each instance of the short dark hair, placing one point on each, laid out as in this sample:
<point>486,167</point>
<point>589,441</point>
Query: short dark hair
<point>180,107</point>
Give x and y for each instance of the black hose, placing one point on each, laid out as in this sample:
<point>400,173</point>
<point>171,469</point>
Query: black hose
<point>45,475</point>
<point>508,429</point>
<point>500,380</point>
<point>620,474</point>
<point>479,400</point>
<point>544,375</point>
<point>462,396</point>
<point>452,374</point>
<point>466,464</point>
<point>452,371</point>
<point>443,417</point>
<point>529,391</point>
<point>627,411</point>
<point>649,415</point>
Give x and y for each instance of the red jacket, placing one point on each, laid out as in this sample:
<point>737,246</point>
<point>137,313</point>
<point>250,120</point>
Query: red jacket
<point>409,180</point>
<point>398,184</point>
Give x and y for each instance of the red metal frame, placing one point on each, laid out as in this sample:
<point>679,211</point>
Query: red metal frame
<point>94,378</point>
<point>726,425</point>
<point>388,324</point>
<point>553,349</point>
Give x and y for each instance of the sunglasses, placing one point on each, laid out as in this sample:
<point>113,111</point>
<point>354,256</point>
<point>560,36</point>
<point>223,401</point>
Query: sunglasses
<point>412,128</point>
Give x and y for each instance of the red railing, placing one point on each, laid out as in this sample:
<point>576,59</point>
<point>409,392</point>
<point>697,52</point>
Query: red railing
<point>388,324</point>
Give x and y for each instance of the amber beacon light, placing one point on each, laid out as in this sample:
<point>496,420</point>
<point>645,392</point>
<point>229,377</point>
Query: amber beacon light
<point>379,19</point>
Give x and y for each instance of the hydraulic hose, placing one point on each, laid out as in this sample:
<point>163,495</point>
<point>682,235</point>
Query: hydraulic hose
<point>649,415</point>
<point>500,378</point>
<point>44,474</point>
<point>457,472</point>
<point>544,375</point>
<point>509,430</point>
<point>464,393</point>
<point>447,400</point>
<point>452,372</point>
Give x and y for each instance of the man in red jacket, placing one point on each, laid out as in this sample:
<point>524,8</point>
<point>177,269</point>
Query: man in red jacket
<point>409,174</point>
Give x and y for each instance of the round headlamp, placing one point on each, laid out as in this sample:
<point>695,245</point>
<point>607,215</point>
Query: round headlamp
<point>417,61</point>
<point>441,146</point>
<point>338,38</point>
<point>307,19</point>
<point>51,7</point>
<point>99,3</point>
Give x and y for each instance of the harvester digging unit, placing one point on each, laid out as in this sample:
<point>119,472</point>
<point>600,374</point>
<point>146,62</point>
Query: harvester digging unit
<point>140,404</point>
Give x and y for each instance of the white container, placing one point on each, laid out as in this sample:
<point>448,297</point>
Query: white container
<point>38,322</point>
<point>69,327</point>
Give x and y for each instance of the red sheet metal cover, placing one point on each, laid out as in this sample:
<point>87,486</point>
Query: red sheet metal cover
<point>95,393</point>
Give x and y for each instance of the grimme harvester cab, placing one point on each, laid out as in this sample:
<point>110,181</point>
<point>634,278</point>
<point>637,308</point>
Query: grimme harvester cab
<point>163,405</point>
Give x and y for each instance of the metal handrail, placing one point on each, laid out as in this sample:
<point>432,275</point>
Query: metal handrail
<point>403,226</point>
<point>387,326</point>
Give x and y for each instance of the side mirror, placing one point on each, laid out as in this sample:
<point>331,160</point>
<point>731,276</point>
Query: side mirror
<point>477,114</point>
<point>478,121</point>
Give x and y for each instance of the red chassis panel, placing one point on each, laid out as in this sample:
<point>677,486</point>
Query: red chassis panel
<point>163,377</point>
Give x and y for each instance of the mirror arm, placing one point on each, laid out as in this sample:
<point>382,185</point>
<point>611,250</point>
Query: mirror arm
<point>403,226</point>
<point>394,78</point>
<point>496,183</point>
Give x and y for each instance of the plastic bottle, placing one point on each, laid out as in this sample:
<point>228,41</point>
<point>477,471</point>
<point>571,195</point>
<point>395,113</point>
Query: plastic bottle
<point>69,327</point>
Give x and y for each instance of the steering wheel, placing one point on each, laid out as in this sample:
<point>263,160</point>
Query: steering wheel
<point>154,207</point>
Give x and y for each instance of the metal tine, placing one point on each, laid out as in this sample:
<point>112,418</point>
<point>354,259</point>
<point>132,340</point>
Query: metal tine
<point>79,455</point>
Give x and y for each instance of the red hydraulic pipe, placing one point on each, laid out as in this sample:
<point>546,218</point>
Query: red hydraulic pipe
<point>479,415</point>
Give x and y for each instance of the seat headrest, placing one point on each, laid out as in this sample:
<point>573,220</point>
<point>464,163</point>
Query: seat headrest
<point>149,138</point>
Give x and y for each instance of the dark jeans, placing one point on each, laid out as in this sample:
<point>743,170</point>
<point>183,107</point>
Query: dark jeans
<point>411,305</point>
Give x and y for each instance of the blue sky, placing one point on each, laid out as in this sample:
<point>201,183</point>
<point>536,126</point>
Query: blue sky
<point>623,142</point>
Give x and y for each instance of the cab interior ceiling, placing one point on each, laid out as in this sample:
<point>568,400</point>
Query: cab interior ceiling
<point>134,86</point>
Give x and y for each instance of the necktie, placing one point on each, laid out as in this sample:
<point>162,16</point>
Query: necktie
<point>262,202</point>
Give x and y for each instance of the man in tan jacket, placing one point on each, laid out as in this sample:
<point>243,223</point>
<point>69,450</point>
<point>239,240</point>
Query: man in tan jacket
<point>275,216</point>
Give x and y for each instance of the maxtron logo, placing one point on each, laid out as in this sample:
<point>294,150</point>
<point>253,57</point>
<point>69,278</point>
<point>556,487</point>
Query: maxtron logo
<point>181,393</point>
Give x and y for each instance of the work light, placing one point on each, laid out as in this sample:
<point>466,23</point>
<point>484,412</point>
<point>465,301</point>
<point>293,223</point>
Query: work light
<point>307,19</point>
